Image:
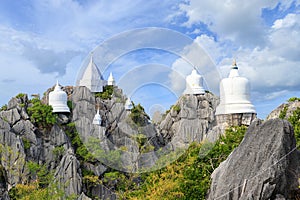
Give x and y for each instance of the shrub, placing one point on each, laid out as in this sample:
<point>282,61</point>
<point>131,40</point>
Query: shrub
<point>41,114</point>
<point>26,143</point>
<point>176,108</point>
<point>292,99</point>
<point>3,108</point>
<point>294,119</point>
<point>138,115</point>
<point>282,113</point>
<point>189,176</point>
<point>107,92</point>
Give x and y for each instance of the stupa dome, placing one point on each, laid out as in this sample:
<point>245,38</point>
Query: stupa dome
<point>235,94</point>
<point>97,119</point>
<point>92,77</point>
<point>110,80</point>
<point>58,100</point>
<point>194,83</point>
<point>128,104</point>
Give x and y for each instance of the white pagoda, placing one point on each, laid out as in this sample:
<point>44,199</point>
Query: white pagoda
<point>194,83</point>
<point>58,100</point>
<point>235,94</point>
<point>128,104</point>
<point>111,79</point>
<point>92,78</point>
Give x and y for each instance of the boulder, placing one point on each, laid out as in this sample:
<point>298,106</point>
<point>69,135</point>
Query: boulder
<point>263,166</point>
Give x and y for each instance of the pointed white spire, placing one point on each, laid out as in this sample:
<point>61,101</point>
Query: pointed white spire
<point>128,104</point>
<point>97,119</point>
<point>110,80</point>
<point>92,77</point>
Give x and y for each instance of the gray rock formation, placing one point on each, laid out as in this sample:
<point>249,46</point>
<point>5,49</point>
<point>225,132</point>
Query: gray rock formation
<point>189,120</point>
<point>289,108</point>
<point>68,174</point>
<point>263,166</point>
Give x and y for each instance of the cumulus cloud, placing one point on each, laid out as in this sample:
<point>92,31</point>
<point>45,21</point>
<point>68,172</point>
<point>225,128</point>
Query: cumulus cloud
<point>267,55</point>
<point>238,20</point>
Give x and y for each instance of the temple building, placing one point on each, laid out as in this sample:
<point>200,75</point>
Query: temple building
<point>194,83</point>
<point>111,80</point>
<point>92,78</point>
<point>58,100</point>
<point>235,107</point>
<point>128,104</point>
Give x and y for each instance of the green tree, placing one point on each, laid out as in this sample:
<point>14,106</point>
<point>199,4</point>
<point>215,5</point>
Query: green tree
<point>41,114</point>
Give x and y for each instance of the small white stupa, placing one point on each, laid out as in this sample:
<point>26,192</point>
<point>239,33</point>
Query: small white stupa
<point>92,77</point>
<point>194,83</point>
<point>128,104</point>
<point>234,94</point>
<point>97,119</point>
<point>111,80</point>
<point>58,100</point>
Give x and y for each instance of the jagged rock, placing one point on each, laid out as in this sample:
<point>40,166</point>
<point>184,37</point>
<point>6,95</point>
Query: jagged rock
<point>290,107</point>
<point>97,169</point>
<point>68,174</point>
<point>192,122</point>
<point>263,166</point>
<point>84,197</point>
<point>102,192</point>
<point>12,116</point>
<point>12,155</point>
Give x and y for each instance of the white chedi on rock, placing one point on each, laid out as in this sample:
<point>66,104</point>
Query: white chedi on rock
<point>92,78</point>
<point>235,94</point>
<point>97,119</point>
<point>58,100</point>
<point>128,104</point>
<point>194,83</point>
<point>110,80</point>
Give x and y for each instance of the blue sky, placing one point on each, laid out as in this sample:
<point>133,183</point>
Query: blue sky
<point>45,40</point>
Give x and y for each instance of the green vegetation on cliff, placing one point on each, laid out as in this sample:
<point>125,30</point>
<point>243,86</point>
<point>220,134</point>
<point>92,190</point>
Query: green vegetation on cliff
<point>41,114</point>
<point>189,176</point>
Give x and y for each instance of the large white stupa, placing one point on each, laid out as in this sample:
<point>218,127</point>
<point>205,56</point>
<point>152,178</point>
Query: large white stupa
<point>111,79</point>
<point>92,78</point>
<point>234,94</point>
<point>194,83</point>
<point>58,100</point>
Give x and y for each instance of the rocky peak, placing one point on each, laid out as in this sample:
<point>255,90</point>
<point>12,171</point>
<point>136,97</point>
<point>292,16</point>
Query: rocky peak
<point>263,166</point>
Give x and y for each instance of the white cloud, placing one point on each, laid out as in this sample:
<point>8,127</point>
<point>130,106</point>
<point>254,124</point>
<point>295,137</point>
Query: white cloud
<point>238,20</point>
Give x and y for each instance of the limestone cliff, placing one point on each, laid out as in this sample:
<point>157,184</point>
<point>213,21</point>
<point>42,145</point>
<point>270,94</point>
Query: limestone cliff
<point>264,166</point>
<point>79,156</point>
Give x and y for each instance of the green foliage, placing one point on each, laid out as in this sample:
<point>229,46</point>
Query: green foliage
<point>282,113</point>
<point>3,108</point>
<point>26,143</point>
<point>107,92</point>
<point>70,104</point>
<point>176,108</point>
<point>189,176</point>
<point>293,99</point>
<point>20,95</point>
<point>41,114</point>
<point>138,115</point>
<point>80,149</point>
<point>41,185</point>
<point>58,152</point>
<point>294,119</point>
